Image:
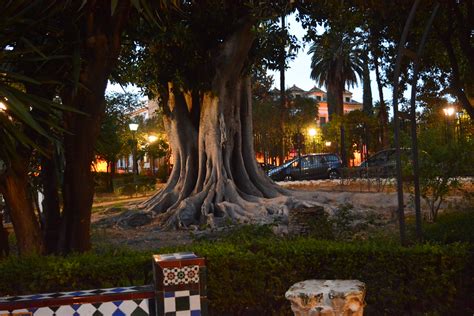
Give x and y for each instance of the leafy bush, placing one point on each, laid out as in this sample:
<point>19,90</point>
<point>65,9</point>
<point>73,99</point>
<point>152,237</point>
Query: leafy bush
<point>162,174</point>
<point>252,276</point>
<point>129,184</point>
<point>451,227</point>
<point>442,161</point>
<point>129,189</point>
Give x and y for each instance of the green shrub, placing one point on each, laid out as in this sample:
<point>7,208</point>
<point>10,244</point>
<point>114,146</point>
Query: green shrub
<point>451,227</point>
<point>162,174</point>
<point>129,184</point>
<point>252,276</point>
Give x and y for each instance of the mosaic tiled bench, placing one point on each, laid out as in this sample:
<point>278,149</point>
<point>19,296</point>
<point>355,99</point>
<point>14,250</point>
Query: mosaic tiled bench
<point>123,301</point>
<point>179,290</point>
<point>180,284</point>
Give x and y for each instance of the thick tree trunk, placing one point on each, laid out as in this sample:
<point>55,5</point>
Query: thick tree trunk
<point>215,177</point>
<point>78,187</point>
<point>102,43</point>
<point>14,188</point>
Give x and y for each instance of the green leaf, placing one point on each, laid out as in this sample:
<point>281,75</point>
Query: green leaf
<point>113,6</point>
<point>20,110</point>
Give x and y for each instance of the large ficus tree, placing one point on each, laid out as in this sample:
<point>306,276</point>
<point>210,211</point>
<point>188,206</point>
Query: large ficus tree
<point>200,69</point>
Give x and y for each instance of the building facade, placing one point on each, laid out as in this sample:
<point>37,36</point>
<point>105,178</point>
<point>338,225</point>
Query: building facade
<point>320,96</point>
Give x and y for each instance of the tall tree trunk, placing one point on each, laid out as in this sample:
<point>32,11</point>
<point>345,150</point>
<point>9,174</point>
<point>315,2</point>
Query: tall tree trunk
<point>101,47</point>
<point>78,187</point>
<point>332,100</point>
<point>337,89</point>
<point>113,165</point>
<point>366,89</point>
<point>283,101</point>
<point>383,114</point>
<point>464,29</point>
<point>51,207</point>
<point>215,177</point>
<point>4,244</point>
<point>14,188</point>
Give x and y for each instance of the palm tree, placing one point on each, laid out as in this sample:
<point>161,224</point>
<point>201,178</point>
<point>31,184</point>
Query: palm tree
<point>335,63</point>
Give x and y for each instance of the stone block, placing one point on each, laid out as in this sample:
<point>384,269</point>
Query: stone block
<point>327,297</point>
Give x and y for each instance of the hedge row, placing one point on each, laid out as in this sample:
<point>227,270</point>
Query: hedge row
<point>251,278</point>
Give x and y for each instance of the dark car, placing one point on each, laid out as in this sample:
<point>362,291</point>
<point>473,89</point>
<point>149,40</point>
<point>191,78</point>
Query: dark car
<point>383,163</point>
<point>266,166</point>
<point>308,167</point>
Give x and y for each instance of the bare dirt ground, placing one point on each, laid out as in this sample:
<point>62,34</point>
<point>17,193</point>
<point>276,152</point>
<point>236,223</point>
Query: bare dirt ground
<point>118,223</point>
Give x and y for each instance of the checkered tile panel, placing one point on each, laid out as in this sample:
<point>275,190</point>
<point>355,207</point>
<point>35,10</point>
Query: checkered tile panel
<point>116,308</point>
<point>182,303</point>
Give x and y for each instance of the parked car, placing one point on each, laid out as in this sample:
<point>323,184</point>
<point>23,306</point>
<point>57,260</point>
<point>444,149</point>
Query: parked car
<point>383,163</point>
<point>308,167</point>
<point>266,166</point>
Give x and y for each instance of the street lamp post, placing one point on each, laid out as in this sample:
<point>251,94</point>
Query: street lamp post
<point>448,114</point>
<point>151,140</point>
<point>312,133</point>
<point>133,128</point>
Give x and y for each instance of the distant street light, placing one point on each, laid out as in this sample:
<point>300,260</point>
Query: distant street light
<point>3,107</point>
<point>328,144</point>
<point>152,138</point>
<point>312,133</point>
<point>449,111</point>
<point>133,128</point>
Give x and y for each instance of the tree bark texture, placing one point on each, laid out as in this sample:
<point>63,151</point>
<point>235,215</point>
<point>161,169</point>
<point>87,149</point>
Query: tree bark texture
<point>215,176</point>
<point>335,96</point>
<point>283,103</point>
<point>102,33</point>
<point>367,91</point>
<point>14,188</point>
<point>383,114</point>
<point>456,83</point>
<point>51,207</point>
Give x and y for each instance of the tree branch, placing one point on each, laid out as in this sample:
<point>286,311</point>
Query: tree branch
<point>455,82</point>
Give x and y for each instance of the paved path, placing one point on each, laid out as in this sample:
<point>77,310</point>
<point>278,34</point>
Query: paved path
<point>123,200</point>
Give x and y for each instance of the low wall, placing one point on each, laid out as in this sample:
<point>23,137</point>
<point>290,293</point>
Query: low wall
<point>134,300</point>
